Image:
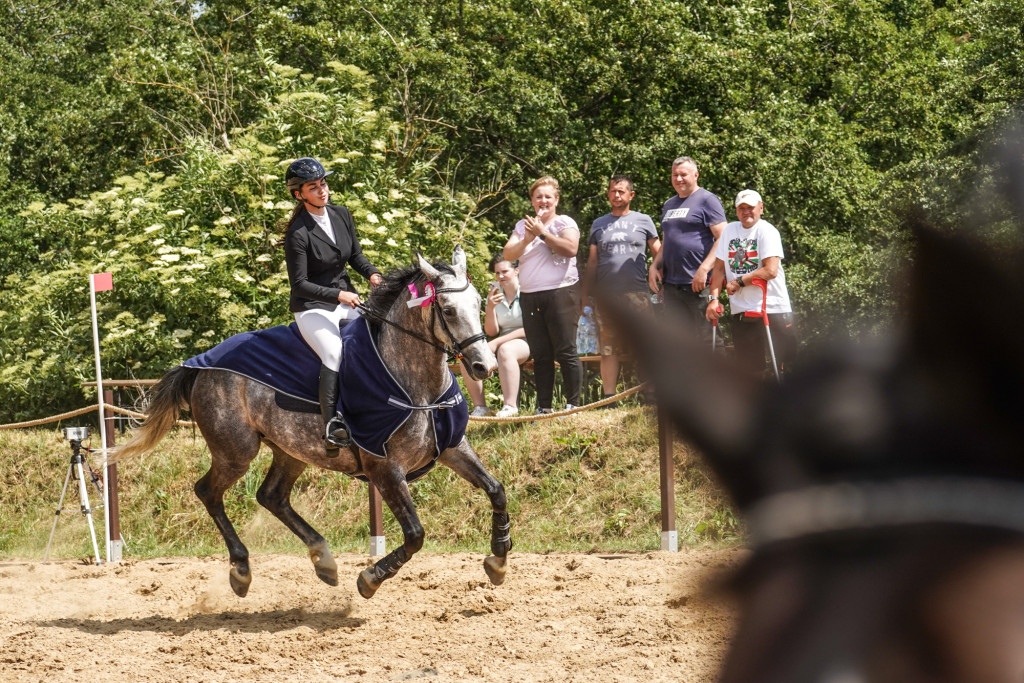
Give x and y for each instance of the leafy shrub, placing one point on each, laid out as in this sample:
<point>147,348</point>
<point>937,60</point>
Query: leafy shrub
<point>195,251</point>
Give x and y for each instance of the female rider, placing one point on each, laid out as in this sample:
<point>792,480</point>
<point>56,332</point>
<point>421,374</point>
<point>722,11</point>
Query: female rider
<point>319,242</point>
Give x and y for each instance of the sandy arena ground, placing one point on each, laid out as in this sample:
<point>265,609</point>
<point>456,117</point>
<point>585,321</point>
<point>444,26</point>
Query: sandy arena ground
<point>558,617</point>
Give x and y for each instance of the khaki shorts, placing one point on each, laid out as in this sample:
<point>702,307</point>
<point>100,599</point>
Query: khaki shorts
<point>610,340</point>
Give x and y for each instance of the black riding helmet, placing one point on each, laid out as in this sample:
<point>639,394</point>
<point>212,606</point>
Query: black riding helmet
<point>302,171</point>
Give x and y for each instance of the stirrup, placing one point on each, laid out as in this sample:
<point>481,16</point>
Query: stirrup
<point>336,434</point>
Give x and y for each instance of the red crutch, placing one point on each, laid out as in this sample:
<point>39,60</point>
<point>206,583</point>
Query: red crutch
<point>763,314</point>
<point>714,324</point>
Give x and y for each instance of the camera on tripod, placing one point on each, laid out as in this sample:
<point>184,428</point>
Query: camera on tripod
<point>79,470</point>
<point>76,433</point>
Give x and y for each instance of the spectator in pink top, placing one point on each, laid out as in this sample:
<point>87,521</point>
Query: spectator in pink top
<point>546,246</point>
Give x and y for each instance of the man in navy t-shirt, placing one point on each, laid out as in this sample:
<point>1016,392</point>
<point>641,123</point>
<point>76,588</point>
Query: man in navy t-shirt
<point>690,224</point>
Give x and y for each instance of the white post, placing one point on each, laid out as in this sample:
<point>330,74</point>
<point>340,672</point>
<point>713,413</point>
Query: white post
<point>99,398</point>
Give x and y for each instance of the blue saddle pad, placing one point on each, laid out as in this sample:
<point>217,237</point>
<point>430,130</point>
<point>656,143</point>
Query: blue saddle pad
<point>374,404</point>
<point>278,357</point>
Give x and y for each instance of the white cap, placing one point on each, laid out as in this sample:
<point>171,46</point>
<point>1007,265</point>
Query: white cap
<point>748,197</point>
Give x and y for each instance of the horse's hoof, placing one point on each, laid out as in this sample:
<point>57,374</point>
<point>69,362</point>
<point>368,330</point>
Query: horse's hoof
<point>324,564</point>
<point>367,583</point>
<point>240,578</point>
<point>327,576</point>
<point>495,568</point>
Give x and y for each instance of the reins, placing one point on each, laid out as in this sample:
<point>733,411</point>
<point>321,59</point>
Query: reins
<point>457,346</point>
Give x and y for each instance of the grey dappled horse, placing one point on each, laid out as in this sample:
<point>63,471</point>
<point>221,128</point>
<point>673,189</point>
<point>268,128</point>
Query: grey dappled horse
<point>236,415</point>
<point>882,484</point>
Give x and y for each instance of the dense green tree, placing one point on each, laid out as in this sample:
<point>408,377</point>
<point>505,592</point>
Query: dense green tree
<point>115,117</point>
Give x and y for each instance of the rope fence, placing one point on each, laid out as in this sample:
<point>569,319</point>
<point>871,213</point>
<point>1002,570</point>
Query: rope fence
<point>561,413</point>
<point>188,423</point>
<point>82,411</point>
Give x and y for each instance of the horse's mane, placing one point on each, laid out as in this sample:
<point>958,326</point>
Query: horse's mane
<point>396,282</point>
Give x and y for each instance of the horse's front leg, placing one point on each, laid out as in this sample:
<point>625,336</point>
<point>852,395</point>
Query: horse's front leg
<point>465,462</point>
<point>394,490</point>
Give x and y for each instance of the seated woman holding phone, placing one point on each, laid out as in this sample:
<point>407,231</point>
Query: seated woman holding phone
<point>503,322</point>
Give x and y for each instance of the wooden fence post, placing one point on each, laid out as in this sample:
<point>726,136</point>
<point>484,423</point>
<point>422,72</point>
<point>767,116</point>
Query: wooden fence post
<point>669,536</point>
<point>110,481</point>
<point>377,545</point>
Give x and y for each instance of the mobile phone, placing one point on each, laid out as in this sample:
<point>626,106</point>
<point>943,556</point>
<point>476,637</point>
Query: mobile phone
<point>493,286</point>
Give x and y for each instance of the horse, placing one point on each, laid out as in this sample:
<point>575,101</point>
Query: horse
<point>236,414</point>
<point>881,483</point>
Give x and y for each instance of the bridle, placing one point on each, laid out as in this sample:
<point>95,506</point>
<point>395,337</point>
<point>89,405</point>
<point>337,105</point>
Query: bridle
<point>435,313</point>
<point>835,508</point>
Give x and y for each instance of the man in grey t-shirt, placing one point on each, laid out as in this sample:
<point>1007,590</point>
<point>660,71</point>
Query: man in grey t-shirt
<point>617,264</point>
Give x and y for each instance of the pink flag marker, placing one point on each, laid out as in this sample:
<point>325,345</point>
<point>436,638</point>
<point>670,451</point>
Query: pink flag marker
<point>101,282</point>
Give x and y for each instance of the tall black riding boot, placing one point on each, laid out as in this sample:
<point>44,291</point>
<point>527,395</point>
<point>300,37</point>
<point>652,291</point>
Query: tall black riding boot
<point>335,430</point>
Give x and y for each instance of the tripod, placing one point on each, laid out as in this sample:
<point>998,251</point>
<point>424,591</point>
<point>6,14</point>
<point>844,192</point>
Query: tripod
<point>75,470</point>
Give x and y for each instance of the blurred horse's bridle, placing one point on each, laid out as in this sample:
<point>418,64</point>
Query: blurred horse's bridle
<point>858,506</point>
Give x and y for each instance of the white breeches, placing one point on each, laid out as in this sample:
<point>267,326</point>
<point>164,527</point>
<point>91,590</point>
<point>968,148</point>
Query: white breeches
<point>321,331</point>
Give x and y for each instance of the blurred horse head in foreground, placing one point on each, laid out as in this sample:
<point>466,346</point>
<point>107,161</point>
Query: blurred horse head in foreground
<point>882,483</point>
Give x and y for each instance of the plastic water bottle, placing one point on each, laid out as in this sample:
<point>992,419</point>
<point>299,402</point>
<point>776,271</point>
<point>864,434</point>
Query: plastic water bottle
<point>586,333</point>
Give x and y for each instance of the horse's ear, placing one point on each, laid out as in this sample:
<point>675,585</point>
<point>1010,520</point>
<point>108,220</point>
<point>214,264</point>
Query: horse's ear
<point>428,270</point>
<point>459,260</point>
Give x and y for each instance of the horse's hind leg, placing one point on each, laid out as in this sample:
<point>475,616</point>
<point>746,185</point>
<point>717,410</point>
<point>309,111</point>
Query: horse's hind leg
<point>465,462</point>
<point>225,471</point>
<point>394,490</point>
<point>275,495</point>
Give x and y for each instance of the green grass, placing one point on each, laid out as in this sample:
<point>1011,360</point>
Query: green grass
<point>586,483</point>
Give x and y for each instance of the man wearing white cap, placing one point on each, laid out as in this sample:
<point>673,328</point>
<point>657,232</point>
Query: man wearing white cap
<point>751,248</point>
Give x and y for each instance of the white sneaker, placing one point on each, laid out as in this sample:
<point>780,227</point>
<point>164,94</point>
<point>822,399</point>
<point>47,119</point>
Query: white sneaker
<point>479,411</point>
<point>507,411</point>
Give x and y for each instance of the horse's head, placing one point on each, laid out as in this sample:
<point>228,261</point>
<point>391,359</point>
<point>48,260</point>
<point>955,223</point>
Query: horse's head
<point>456,307</point>
<point>875,479</point>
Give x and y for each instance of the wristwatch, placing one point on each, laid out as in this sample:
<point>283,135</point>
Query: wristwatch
<point>739,281</point>
<point>542,237</point>
<point>712,297</point>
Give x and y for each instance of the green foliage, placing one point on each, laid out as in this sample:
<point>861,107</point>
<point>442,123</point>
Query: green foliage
<point>195,252</point>
<point>436,116</point>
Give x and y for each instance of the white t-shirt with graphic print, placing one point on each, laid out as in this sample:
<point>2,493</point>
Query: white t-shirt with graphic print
<point>743,251</point>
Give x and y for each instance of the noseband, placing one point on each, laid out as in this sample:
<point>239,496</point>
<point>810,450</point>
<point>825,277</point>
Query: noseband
<point>435,312</point>
<point>863,506</point>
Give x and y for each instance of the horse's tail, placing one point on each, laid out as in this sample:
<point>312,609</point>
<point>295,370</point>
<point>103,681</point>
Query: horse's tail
<point>170,396</point>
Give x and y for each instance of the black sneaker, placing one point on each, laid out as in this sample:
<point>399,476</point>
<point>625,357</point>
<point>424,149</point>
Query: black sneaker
<point>541,411</point>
